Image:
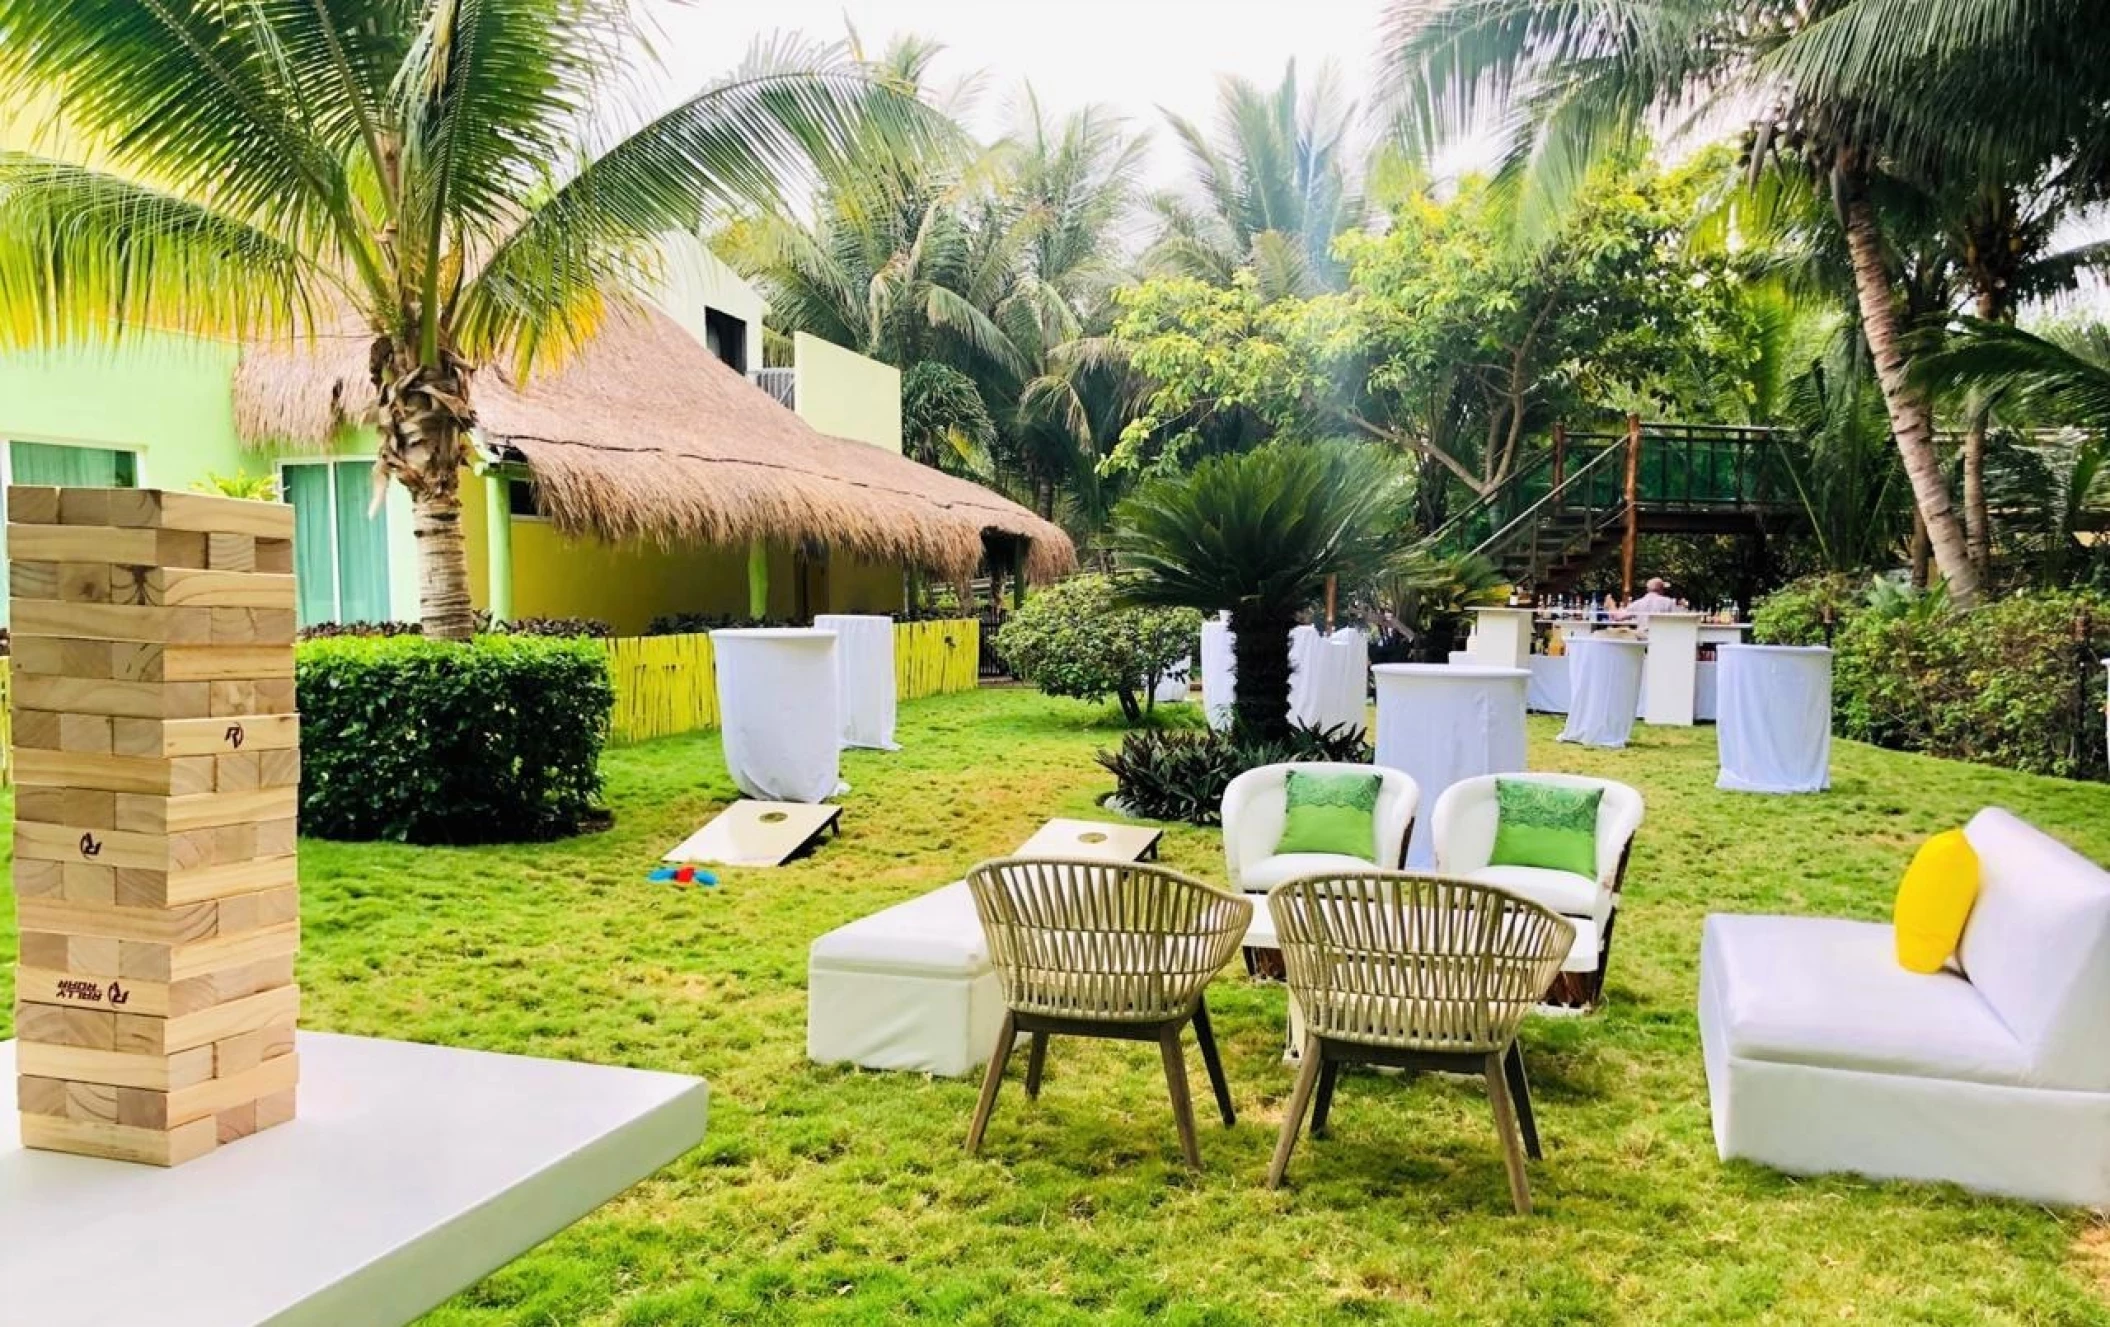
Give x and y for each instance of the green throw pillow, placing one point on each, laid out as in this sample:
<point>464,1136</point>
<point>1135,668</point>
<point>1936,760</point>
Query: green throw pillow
<point>1334,813</point>
<point>1544,824</point>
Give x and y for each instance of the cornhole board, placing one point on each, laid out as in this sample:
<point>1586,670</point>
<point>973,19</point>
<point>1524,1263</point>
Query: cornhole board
<point>1094,840</point>
<point>411,1172</point>
<point>752,833</point>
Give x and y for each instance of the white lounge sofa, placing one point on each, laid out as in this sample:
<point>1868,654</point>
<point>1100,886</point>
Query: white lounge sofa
<point>909,987</point>
<point>1824,1055</point>
<point>1256,802</point>
<point>1462,828</point>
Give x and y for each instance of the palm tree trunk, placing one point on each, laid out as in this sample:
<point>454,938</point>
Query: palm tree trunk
<point>426,418</point>
<point>1911,420</point>
<point>1260,653</point>
<point>1977,518</point>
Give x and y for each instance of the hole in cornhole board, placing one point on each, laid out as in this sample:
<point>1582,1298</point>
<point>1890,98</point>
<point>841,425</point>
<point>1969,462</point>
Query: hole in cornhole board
<point>750,833</point>
<point>1093,840</point>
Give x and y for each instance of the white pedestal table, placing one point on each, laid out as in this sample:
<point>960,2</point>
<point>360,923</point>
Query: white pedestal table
<point>1775,727</point>
<point>777,712</point>
<point>1604,674</point>
<point>1670,681</point>
<point>1440,723</point>
<point>864,676</point>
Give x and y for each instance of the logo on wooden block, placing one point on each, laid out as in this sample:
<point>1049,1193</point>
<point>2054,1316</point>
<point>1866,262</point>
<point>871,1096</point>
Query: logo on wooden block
<point>93,992</point>
<point>90,845</point>
<point>234,736</point>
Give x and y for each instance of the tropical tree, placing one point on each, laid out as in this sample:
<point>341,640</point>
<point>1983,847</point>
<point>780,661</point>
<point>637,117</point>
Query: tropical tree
<point>428,171</point>
<point>1258,534</point>
<point>1275,182</point>
<point>1852,91</point>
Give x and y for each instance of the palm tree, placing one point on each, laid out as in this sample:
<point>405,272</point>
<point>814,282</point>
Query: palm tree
<point>1275,188</point>
<point>1258,534</point>
<point>428,169</point>
<point>1855,91</point>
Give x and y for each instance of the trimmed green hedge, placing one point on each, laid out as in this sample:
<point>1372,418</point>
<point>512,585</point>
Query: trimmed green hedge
<point>425,741</point>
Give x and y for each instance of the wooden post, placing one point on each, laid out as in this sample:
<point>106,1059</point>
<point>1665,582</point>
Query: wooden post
<point>1632,536</point>
<point>1560,462</point>
<point>157,758</point>
<point>498,544</point>
<point>1333,587</point>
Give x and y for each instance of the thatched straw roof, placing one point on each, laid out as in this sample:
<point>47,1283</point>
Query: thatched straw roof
<point>646,435</point>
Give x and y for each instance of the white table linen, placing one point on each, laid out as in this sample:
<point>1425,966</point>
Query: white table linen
<point>1439,723</point>
<point>1548,691</point>
<point>1775,724</point>
<point>864,675</point>
<point>1173,682</point>
<point>1219,674</point>
<point>1328,677</point>
<point>1605,677</point>
<point>777,712</point>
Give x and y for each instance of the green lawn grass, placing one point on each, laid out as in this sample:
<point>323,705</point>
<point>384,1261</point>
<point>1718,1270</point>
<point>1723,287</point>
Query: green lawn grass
<point>831,1195</point>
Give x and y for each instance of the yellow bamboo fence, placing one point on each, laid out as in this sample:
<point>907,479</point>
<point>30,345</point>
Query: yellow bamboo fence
<point>667,684</point>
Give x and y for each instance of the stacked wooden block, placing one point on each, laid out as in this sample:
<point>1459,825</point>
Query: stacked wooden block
<point>157,763</point>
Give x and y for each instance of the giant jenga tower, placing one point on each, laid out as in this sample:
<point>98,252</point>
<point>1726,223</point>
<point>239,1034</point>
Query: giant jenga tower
<point>157,763</point>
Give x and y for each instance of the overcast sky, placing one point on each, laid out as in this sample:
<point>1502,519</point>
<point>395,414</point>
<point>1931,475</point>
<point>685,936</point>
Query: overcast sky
<point>1135,55</point>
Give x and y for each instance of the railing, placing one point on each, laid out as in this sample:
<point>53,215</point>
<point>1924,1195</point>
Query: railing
<point>668,684</point>
<point>1579,492</point>
<point>783,384</point>
<point>1702,466</point>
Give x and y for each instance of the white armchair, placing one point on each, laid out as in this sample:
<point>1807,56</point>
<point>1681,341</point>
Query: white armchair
<point>1256,804</point>
<point>1463,829</point>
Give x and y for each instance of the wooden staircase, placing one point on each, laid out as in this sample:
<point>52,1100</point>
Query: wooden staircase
<point>1554,522</point>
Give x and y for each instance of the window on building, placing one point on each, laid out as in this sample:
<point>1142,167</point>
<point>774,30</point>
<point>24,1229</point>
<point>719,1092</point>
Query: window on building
<point>65,467</point>
<point>726,337</point>
<point>523,498</point>
<point>340,544</point>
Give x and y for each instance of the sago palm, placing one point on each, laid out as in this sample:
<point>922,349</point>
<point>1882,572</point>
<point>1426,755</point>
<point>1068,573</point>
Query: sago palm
<point>1258,534</point>
<point>440,172</point>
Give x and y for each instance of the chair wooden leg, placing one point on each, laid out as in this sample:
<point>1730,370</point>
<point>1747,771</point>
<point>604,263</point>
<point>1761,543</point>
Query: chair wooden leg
<point>1520,1097</point>
<point>1293,1117</point>
<point>1036,1060</point>
<point>991,1081</point>
<point>1506,1126</point>
<point>1182,1102</point>
<point>1206,1036</point>
<point>1322,1105</point>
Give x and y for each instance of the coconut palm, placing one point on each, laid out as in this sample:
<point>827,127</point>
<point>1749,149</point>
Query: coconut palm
<point>1275,188</point>
<point>431,171</point>
<point>1853,91</point>
<point>1258,534</point>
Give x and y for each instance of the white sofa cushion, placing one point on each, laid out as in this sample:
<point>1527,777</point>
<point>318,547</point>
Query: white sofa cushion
<point>935,934</point>
<point>1828,992</point>
<point>1258,877</point>
<point>1464,820</point>
<point>2037,948</point>
<point>1563,892</point>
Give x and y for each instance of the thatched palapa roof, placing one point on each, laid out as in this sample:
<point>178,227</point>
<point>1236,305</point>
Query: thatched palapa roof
<point>646,435</point>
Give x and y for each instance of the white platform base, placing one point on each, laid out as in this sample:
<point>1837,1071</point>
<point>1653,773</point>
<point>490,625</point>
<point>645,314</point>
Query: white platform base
<point>410,1173</point>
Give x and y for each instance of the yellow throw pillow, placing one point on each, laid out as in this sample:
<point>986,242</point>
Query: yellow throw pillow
<point>1934,901</point>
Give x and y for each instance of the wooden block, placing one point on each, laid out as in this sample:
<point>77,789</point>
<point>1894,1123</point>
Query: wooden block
<point>117,621</point>
<point>169,963</point>
<point>161,999</point>
<point>275,626</point>
<point>221,662</point>
<point>239,772</point>
<point>84,506</point>
<point>232,699</point>
<point>275,1109</point>
<point>149,1035</point>
<point>37,879</point>
<point>179,925</point>
<point>278,837</point>
<point>86,583</point>
<point>76,843</point>
<point>63,1100</point>
<point>116,1142</point>
<point>64,1025</point>
<point>32,504</point>
<point>86,769</point>
<point>39,949</point>
<point>35,729</point>
<point>179,586</point>
<point>40,1096</point>
<point>230,552</point>
<point>62,656</point>
<point>131,700</point>
<point>85,733</point>
<point>267,907</point>
<point>275,556</point>
<point>197,736</point>
<point>83,885</point>
<point>149,814</point>
<point>158,1073</point>
<point>85,544</point>
<point>33,580</point>
<point>206,513</point>
<point>238,1054</point>
<point>167,888</point>
<point>236,1122</point>
<point>278,769</point>
<point>174,1107</point>
<point>275,695</point>
<point>87,807</point>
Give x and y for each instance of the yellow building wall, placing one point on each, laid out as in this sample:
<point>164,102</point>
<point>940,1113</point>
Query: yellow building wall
<point>845,395</point>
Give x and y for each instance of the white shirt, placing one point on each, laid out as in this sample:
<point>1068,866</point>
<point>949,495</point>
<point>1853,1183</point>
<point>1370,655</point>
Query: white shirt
<point>1652,603</point>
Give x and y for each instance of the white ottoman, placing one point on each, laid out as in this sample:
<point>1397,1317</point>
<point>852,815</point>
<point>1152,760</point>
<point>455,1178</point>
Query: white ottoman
<point>906,988</point>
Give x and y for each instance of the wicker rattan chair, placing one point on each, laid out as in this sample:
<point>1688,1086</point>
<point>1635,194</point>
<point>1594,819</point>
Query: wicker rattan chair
<point>1419,972</point>
<point>1105,949</point>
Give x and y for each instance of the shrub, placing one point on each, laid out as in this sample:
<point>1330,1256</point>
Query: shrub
<point>1794,613</point>
<point>1070,639</point>
<point>423,741</point>
<point>564,627</point>
<point>2015,683</point>
<point>1181,774</point>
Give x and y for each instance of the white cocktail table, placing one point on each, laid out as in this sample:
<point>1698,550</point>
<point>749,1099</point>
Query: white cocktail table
<point>864,673</point>
<point>779,714</point>
<point>1439,723</point>
<point>410,1173</point>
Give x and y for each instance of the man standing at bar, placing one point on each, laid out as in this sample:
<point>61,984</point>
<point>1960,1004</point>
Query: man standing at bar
<point>1655,601</point>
